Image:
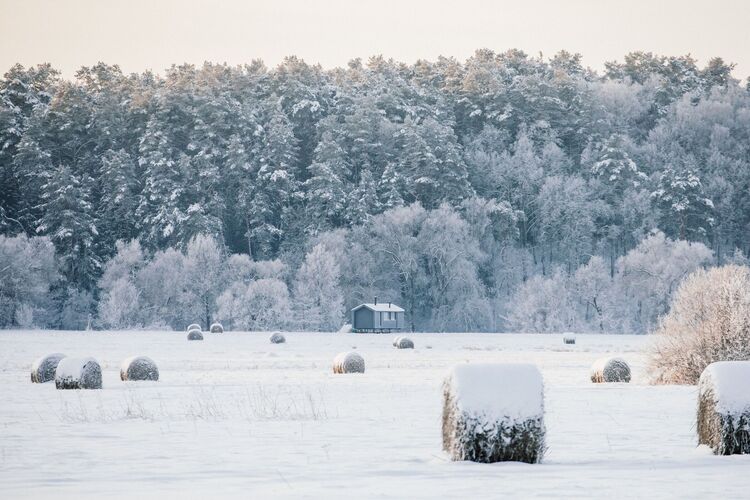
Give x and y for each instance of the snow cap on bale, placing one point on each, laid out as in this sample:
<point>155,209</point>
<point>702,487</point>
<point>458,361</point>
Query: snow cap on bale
<point>78,373</point>
<point>724,407</point>
<point>396,340</point>
<point>194,326</point>
<point>216,328</point>
<point>348,362</point>
<point>277,338</point>
<point>610,370</point>
<point>404,343</point>
<point>195,335</point>
<point>494,413</point>
<point>139,368</point>
<point>43,369</point>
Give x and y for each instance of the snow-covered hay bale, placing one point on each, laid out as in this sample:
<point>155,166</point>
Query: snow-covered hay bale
<point>139,368</point>
<point>43,369</point>
<point>724,407</point>
<point>349,362</point>
<point>569,338</point>
<point>277,338</point>
<point>494,413</point>
<point>194,326</point>
<point>78,373</point>
<point>395,341</point>
<point>217,328</point>
<point>610,370</point>
<point>195,335</point>
<point>404,343</point>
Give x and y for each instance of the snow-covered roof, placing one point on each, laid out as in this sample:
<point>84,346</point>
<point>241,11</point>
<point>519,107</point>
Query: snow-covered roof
<point>381,307</point>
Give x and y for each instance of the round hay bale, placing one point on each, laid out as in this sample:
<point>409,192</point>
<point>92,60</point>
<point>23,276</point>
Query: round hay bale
<point>139,368</point>
<point>194,326</point>
<point>395,341</point>
<point>78,373</point>
<point>404,343</point>
<point>723,420</point>
<point>277,338</point>
<point>195,335</point>
<point>43,369</point>
<point>606,370</point>
<point>494,412</point>
<point>569,338</point>
<point>216,328</point>
<point>349,362</point>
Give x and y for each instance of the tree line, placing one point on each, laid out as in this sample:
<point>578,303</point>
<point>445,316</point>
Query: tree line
<point>496,193</point>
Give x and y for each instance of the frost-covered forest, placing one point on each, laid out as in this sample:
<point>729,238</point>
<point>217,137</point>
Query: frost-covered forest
<point>506,192</point>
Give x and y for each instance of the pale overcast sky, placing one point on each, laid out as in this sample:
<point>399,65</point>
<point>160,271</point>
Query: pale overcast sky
<point>153,34</point>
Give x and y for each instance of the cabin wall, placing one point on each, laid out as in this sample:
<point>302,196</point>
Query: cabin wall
<point>363,318</point>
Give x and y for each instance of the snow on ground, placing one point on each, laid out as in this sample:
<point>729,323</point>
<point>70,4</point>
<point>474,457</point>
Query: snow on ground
<point>237,416</point>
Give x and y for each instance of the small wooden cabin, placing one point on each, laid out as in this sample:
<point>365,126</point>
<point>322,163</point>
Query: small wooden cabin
<point>377,317</point>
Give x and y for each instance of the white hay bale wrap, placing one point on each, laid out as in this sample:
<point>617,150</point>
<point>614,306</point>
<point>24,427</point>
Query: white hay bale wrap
<point>349,362</point>
<point>78,373</point>
<point>277,338</point>
<point>605,370</point>
<point>139,368</point>
<point>194,326</point>
<point>195,335</point>
<point>404,343</point>
<point>216,328</point>
<point>723,421</point>
<point>569,338</point>
<point>494,413</point>
<point>43,369</point>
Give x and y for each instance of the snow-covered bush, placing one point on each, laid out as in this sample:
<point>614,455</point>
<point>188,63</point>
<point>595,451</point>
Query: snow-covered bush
<point>346,328</point>
<point>606,370</point>
<point>78,373</point>
<point>43,369</point>
<point>139,368</point>
<point>494,413</point>
<point>277,338</point>
<point>709,321</point>
<point>569,338</point>
<point>349,362</point>
<point>216,328</point>
<point>723,421</point>
<point>403,343</point>
<point>195,335</point>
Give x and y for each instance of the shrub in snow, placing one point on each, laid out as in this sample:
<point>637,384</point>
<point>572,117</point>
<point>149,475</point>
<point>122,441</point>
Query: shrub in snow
<point>404,343</point>
<point>349,362</point>
<point>610,370</point>
<point>709,321</point>
<point>569,338</point>
<point>139,368</point>
<point>195,335</point>
<point>194,326</point>
<point>217,328</point>
<point>724,407</point>
<point>347,328</point>
<point>494,413</point>
<point>78,373</point>
<point>43,369</point>
<point>277,338</point>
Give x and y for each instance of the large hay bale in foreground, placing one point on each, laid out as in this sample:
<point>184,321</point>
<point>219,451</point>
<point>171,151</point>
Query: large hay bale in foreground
<point>195,335</point>
<point>277,338</point>
<point>78,373</point>
<point>139,368</point>
<point>194,326</point>
<point>494,413</point>
<point>724,407</point>
<point>349,362</point>
<point>569,338</point>
<point>610,370</point>
<point>43,369</point>
<point>216,328</point>
<point>404,343</point>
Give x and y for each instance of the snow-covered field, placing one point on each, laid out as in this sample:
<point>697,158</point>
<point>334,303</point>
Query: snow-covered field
<point>237,416</point>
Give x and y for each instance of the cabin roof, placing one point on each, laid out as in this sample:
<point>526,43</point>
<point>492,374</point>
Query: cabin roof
<point>380,307</point>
